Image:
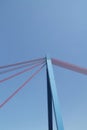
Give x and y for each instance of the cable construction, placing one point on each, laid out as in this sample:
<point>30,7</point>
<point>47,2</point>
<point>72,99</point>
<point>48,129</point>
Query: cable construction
<point>21,63</point>
<point>69,66</point>
<point>21,72</point>
<point>32,64</point>
<point>19,67</point>
<point>22,86</point>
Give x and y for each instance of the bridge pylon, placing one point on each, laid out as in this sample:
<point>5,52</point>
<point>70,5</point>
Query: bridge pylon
<point>52,98</point>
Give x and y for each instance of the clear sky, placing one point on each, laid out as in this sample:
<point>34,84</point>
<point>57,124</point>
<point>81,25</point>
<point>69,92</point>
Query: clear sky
<point>33,28</point>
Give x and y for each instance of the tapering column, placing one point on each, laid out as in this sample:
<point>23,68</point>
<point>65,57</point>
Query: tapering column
<point>53,98</point>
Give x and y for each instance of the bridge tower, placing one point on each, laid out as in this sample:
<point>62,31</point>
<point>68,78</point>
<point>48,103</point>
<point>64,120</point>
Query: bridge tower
<point>52,98</point>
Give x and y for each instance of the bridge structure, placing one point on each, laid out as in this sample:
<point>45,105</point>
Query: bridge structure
<point>52,97</point>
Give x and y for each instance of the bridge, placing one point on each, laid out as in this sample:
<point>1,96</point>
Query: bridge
<point>52,97</point>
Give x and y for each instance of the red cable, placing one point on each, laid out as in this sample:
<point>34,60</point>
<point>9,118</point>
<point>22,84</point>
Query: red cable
<point>22,86</point>
<point>69,66</point>
<point>20,63</point>
<point>12,69</point>
<point>21,72</point>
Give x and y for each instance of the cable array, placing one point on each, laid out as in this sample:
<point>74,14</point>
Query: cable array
<point>21,72</point>
<point>32,64</point>
<point>18,67</point>
<point>21,63</point>
<point>27,66</point>
<point>69,66</point>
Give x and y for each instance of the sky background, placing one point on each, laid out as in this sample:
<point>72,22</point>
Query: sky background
<point>33,28</point>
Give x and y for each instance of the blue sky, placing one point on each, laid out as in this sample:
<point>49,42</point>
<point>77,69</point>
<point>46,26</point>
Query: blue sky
<point>33,28</point>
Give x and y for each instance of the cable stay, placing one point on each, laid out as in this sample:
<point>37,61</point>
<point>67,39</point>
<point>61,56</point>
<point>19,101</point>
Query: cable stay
<point>21,63</point>
<point>22,86</point>
<point>69,66</point>
<point>20,67</point>
<point>21,72</point>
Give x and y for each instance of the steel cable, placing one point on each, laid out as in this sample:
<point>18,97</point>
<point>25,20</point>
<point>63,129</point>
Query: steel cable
<point>22,86</point>
<point>19,73</point>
